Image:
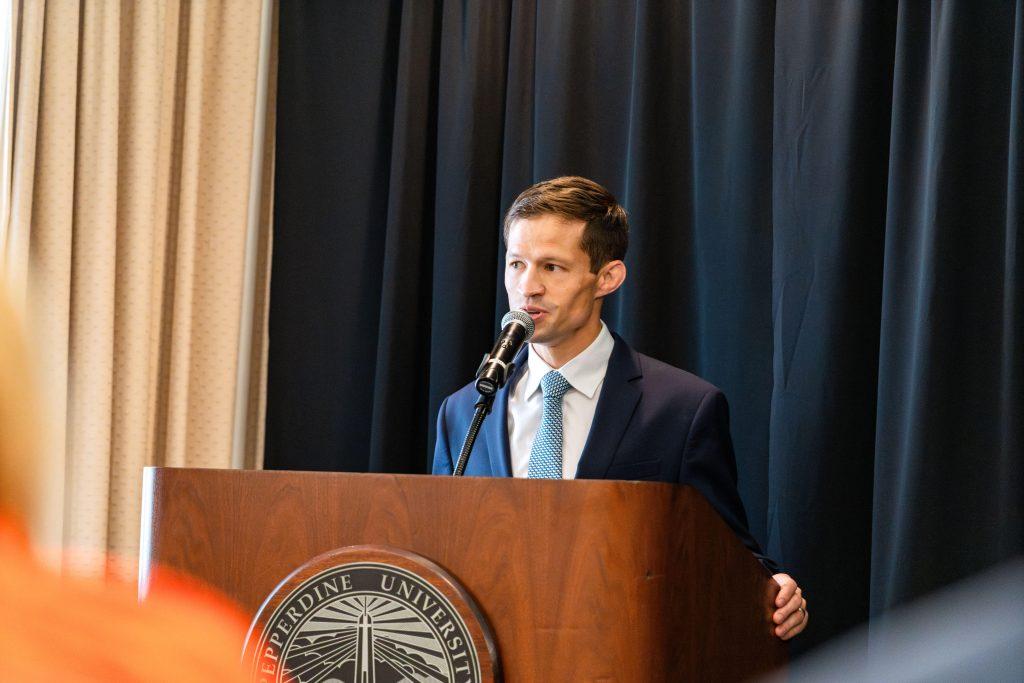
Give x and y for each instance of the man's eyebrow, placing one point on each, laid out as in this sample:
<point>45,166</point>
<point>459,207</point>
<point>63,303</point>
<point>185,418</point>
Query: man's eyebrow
<point>542,257</point>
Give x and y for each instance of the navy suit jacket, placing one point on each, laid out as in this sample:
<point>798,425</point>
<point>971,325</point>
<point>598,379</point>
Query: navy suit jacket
<point>653,422</point>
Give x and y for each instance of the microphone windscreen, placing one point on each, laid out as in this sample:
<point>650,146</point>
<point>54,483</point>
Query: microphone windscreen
<point>521,317</point>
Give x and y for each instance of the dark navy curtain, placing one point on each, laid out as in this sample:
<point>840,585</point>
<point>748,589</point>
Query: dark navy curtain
<point>825,201</point>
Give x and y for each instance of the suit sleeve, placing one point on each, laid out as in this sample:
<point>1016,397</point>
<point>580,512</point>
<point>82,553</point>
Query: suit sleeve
<point>709,465</point>
<point>442,450</point>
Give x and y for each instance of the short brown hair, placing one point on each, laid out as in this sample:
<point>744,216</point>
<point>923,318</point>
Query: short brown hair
<point>606,235</point>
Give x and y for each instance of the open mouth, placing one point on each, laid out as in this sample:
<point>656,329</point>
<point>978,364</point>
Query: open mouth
<point>534,312</point>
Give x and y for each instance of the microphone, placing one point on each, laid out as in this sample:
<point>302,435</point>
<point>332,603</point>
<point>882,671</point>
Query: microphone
<point>516,328</point>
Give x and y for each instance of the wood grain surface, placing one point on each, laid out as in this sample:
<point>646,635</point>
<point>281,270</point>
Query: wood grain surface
<point>579,580</point>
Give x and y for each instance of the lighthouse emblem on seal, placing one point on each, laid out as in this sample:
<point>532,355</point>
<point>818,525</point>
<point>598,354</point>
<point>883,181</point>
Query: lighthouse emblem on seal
<point>364,622</point>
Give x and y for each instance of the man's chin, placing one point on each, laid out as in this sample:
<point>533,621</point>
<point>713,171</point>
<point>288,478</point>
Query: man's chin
<point>540,338</point>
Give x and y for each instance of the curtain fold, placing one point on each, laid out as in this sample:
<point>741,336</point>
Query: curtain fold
<point>948,467</point>
<point>832,84</point>
<point>825,216</point>
<point>407,254</point>
<point>132,148</point>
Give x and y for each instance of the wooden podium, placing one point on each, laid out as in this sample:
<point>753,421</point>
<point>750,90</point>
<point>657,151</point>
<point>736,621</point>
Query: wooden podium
<point>579,580</point>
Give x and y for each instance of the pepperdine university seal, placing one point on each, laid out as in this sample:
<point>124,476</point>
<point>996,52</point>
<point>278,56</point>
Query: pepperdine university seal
<point>370,614</point>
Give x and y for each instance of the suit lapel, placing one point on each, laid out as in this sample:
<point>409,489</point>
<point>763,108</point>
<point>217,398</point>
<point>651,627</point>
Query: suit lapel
<point>495,427</point>
<point>620,394</point>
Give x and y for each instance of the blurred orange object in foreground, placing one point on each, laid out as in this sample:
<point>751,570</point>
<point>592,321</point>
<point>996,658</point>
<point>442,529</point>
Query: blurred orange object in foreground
<point>58,628</point>
<point>65,629</point>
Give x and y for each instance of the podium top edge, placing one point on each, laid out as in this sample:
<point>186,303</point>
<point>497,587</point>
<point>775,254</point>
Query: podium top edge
<point>155,471</point>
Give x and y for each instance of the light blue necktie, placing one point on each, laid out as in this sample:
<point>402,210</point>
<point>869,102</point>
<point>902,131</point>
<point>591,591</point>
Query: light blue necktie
<point>546,453</point>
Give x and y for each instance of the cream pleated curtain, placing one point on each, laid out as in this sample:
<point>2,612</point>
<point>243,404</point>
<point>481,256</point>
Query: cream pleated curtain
<point>136,237</point>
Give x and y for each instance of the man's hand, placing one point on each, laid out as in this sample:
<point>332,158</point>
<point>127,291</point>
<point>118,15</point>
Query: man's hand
<point>791,609</point>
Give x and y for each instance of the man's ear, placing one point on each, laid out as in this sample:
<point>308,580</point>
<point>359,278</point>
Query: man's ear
<point>610,277</point>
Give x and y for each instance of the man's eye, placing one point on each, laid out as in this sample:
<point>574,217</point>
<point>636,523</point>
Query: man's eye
<point>515,265</point>
<point>552,267</point>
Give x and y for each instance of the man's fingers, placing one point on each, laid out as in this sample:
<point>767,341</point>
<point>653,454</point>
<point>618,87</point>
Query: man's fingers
<point>791,615</point>
<point>792,626</point>
<point>786,594</point>
<point>788,588</point>
<point>794,603</point>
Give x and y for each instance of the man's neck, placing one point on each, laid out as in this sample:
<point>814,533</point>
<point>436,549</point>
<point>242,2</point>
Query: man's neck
<point>558,355</point>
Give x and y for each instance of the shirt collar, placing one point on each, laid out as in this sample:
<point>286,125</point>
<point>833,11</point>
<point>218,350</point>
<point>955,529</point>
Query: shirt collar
<point>584,372</point>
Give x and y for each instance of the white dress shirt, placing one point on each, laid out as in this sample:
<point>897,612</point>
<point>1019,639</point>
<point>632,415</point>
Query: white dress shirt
<point>585,373</point>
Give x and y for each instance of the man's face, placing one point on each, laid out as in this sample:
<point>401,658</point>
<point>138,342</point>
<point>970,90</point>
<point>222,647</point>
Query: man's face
<point>548,275</point>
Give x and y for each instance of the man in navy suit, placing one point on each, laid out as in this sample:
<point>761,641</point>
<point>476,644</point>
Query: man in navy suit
<point>582,404</point>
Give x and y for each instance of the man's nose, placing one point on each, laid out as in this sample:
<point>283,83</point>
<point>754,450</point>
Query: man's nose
<point>530,283</point>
